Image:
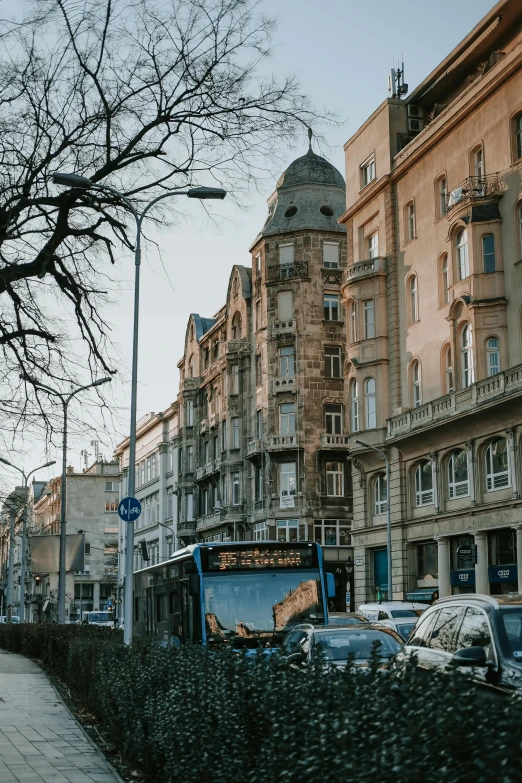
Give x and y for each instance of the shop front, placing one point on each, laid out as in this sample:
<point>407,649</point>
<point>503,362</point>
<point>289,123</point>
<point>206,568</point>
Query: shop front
<point>462,558</point>
<point>426,588</point>
<point>502,558</point>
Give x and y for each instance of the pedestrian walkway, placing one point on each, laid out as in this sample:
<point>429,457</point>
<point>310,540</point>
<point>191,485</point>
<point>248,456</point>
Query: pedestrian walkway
<point>40,741</point>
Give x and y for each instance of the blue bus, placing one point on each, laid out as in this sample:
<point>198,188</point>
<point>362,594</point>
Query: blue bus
<point>246,594</point>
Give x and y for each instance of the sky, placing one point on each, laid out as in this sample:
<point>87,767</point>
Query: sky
<point>342,53</point>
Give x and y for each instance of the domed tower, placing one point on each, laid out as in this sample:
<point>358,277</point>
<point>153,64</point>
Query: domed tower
<point>298,448</point>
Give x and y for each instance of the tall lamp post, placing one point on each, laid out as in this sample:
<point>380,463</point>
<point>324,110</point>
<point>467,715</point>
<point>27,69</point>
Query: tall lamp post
<point>24,533</point>
<point>388,513</point>
<point>65,400</point>
<point>71,180</point>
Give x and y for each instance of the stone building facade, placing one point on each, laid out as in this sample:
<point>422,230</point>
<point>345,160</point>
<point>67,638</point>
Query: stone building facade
<point>433,300</point>
<point>92,506</point>
<point>263,437</point>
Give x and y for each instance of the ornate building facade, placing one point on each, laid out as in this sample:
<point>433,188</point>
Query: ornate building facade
<point>433,296</point>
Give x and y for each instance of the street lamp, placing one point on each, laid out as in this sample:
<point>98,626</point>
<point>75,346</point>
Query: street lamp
<point>65,400</point>
<point>72,180</point>
<point>24,535</point>
<point>388,513</point>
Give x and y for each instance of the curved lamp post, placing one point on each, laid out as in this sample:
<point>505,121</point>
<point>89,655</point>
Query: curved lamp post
<point>65,400</point>
<point>24,535</point>
<point>72,180</point>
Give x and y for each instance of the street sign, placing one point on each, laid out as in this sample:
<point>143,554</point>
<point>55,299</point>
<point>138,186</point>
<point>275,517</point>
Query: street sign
<point>129,509</point>
<point>359,561</point>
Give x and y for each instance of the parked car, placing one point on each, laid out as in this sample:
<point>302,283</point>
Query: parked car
<point>346,618</point>
<point>480,634</point>
<point>98,618</point>
<point>391,610</point>
<point>336,643</point>
<point>14,618</point>
<point>401,625</point>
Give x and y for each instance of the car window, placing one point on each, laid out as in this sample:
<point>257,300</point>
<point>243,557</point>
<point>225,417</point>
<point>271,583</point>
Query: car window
<point>338,645</point>
<point>382,616</point>
<point>291,643</point>
<point>403,613</point>
<point>443,634</point>
<point>512,618</point>
<point>474,630</point>
<point>303,643</point>
<point>423,630</point>
<point>405,629</point>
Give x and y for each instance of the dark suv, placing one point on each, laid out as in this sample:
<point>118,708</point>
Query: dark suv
<point>336,643</point>
<point>480,634</point>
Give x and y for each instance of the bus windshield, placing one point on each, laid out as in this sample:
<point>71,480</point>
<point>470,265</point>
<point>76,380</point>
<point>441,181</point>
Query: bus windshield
<point>259,604</point>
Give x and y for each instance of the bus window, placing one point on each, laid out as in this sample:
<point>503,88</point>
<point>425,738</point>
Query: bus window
<point>161,608</point>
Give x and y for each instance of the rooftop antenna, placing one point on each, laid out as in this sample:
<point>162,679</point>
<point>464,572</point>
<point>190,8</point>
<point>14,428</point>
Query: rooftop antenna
<point>310,134</point>
<point>96,445</point>
<point>397,87</point>
<point>85,454</point>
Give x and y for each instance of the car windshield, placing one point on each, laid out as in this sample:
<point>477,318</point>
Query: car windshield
<point>260,603</point>
<point>100,617</point>
<point>338,645</point>
<point>512,617</point>
<point>405,629</point>
<point>336,620</point>
<point>403,613</point>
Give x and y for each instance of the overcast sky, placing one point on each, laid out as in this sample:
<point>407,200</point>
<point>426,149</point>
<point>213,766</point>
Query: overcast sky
<point>343,52</point>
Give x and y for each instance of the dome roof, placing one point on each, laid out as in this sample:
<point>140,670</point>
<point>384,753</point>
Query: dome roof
<point>310,169</point>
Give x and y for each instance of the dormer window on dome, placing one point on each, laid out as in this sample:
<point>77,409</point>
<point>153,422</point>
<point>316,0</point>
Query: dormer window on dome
<point>291,211</point>
<point>326,210</point>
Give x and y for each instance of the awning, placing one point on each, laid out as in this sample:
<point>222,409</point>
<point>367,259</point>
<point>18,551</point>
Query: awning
<point>426,594</point>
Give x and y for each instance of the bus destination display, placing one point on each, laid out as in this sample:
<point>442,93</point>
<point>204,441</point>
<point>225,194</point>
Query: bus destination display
<point>258,557</point>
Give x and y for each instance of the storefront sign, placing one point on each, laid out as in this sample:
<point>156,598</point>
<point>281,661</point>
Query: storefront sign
<point>505,573</point>
<point>463,577</point>
<point>467,552</point>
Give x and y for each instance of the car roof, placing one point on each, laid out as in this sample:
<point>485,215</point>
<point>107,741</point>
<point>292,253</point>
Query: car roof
<point>479,598</point>
<point>344,614</point>
<point>393,605</point>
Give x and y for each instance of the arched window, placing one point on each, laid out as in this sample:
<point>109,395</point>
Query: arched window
<point>423,484</point>
<point>354,402</point>
<point>449,385</point>
<point>414,300</point>
<point>458,478</point>
<point>488,253</point>
<point>461,242</point>
<point>518,136</point>
<point>478,162</point>
<point>370,404</point>
<point>236,327</point>
<point>497,465</point>
<point>190,368</point>
<point>381,493</point>
<point>468,375</point>
<point>353,322</point>
<point>493,356</point>
<point>416,383</point>
<point>444,279</point>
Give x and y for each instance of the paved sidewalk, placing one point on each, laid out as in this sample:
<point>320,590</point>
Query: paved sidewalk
<point>40,741</point>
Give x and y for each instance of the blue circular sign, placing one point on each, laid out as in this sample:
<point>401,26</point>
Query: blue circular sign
<point>129,509</point>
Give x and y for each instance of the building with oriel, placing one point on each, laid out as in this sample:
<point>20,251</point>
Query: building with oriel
<point>433,296</point>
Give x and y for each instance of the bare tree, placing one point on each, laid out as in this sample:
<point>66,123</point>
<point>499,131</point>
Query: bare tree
<point>146,96</point>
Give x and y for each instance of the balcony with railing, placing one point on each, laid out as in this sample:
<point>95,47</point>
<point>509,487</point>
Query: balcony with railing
<point>494,389</point>
<point>254,448</point>
<point>282,442</point>
<point>213,420</point>
<point>334,441</point>
<point>474,190</point>
<point>283,384</point>
<point>203,426</point>
<point>365,268</point>
<point>281,272</point>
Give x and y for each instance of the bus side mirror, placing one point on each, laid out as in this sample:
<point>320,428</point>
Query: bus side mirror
<point>330,585</point>
<point>193,582</point>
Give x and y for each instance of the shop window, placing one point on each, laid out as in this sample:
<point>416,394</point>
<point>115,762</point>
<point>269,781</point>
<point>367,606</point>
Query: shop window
<point>493,356</point>
<point>260,531</point>
<point>370,403</point>
<point>502,547</point>
<point>458,478</point>
<point>427,560</point>
<point>497,465</point>
<point>488,253</point>
<point>354,403</point>
<point>287,530</point>
<point>381,493</point>
<point>333,419</point>
<point>424,484</point>
<point>461,244</point>
<point>332,532</point>
<point>466,350</point>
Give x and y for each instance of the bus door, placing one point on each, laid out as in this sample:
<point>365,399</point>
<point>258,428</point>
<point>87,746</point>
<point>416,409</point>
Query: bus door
<point>175,624</point>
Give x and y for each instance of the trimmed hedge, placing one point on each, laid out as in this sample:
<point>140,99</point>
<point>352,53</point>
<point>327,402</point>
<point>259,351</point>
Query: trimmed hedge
<point>191,715</point>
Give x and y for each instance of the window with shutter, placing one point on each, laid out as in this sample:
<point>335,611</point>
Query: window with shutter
<point>285,305</point>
